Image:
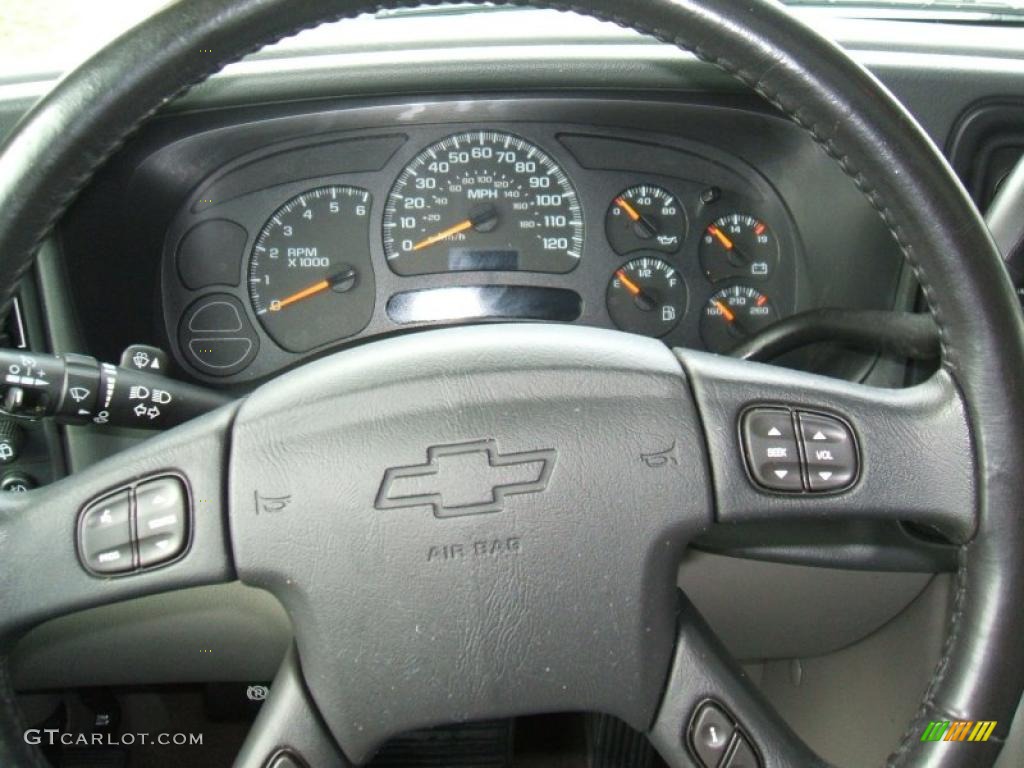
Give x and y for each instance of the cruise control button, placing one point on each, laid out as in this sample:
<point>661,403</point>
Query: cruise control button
<point>161,520</point>
<point>105,534</point>
<point>830,450</point>
<point>771,449</point>
<point>710,734</point>
<point>743,755</point>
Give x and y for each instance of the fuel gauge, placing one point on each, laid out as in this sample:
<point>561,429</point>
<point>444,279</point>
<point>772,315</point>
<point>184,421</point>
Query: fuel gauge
<point>734,314</point>
<point>646,296</point>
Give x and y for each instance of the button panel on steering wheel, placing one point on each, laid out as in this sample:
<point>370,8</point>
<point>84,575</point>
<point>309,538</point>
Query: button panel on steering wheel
<point>798,451</point>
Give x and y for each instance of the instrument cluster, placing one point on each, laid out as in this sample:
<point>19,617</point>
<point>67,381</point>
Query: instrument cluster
<point>439,225</point>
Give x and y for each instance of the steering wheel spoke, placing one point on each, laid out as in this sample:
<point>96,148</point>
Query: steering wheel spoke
<point>712,713</point>
<point>174,481</point>
<point>289,727</point>
<point>787,445</point>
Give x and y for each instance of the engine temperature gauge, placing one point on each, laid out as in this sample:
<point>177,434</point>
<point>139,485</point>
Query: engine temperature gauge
<point>647,296</point>
<point>733,314</point>
<point>738,245</point>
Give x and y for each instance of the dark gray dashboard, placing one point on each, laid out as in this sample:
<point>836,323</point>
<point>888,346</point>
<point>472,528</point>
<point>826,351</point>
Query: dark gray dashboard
<point>716,157</point>
<point>708,182</point>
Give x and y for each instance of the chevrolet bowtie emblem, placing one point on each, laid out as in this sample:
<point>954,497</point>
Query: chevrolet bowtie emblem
<point>465,479</point>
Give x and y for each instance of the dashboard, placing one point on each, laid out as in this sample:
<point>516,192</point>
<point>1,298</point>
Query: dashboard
<point>495,222</point>
<point>439,213</point>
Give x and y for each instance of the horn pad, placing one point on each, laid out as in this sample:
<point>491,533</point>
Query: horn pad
<point>473,523</point>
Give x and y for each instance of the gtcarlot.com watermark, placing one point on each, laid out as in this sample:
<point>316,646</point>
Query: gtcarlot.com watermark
<point>53,737</point>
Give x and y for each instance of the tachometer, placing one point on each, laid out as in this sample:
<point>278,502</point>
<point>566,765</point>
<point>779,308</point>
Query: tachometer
<point>482,200</point>
<point>310,276</point>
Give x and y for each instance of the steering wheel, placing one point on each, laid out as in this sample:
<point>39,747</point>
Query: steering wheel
<point>550,583</point>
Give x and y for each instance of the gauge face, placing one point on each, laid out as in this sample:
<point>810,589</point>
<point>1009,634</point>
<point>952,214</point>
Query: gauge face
<point>738,245</point>
<point>734,314</point>
<point>646,295</point>
<point>310,277</point>
<point>482,200</point>
<point>645,217</point>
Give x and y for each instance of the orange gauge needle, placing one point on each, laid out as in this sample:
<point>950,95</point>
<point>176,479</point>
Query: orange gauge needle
<point>483,221</point>
<point>305,293</point>
<point>462,226</point>
<point>629,209</point>
<point>722,238</point>
<point>727,313</point>
<point>643,301</point>
<point>344,279</point>
<point>644,227</point>
<point>630,286</point>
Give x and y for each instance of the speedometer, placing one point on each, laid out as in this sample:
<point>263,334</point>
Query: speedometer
<point>482,200</point>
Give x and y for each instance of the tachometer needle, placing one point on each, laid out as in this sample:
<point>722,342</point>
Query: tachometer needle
<point>477,221</point>
<point>313,290</point>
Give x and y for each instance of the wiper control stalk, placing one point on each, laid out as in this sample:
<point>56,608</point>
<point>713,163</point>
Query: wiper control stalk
<point>77,389</point>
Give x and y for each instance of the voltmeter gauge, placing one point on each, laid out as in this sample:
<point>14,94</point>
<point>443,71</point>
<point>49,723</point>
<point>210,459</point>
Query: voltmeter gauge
<point>647,296</point>
<point>734,314</point>
<point>738,246</point>
<point>645,217</point>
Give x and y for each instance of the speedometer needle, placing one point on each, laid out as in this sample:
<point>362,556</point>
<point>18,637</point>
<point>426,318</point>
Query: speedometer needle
<point>478,221</point>
<point>313,290</point>
<point>462,226</point>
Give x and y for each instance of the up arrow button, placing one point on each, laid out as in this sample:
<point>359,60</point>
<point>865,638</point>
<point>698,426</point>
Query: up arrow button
<point>830,449</point>
<point>771,451</point>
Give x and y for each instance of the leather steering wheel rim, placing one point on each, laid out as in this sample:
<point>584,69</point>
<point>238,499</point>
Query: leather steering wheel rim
<point>56,149</point>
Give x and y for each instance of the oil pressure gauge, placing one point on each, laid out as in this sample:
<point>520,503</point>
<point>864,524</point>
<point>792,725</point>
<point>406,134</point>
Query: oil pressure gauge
<point>645,217</point>
<point>646,295</point>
